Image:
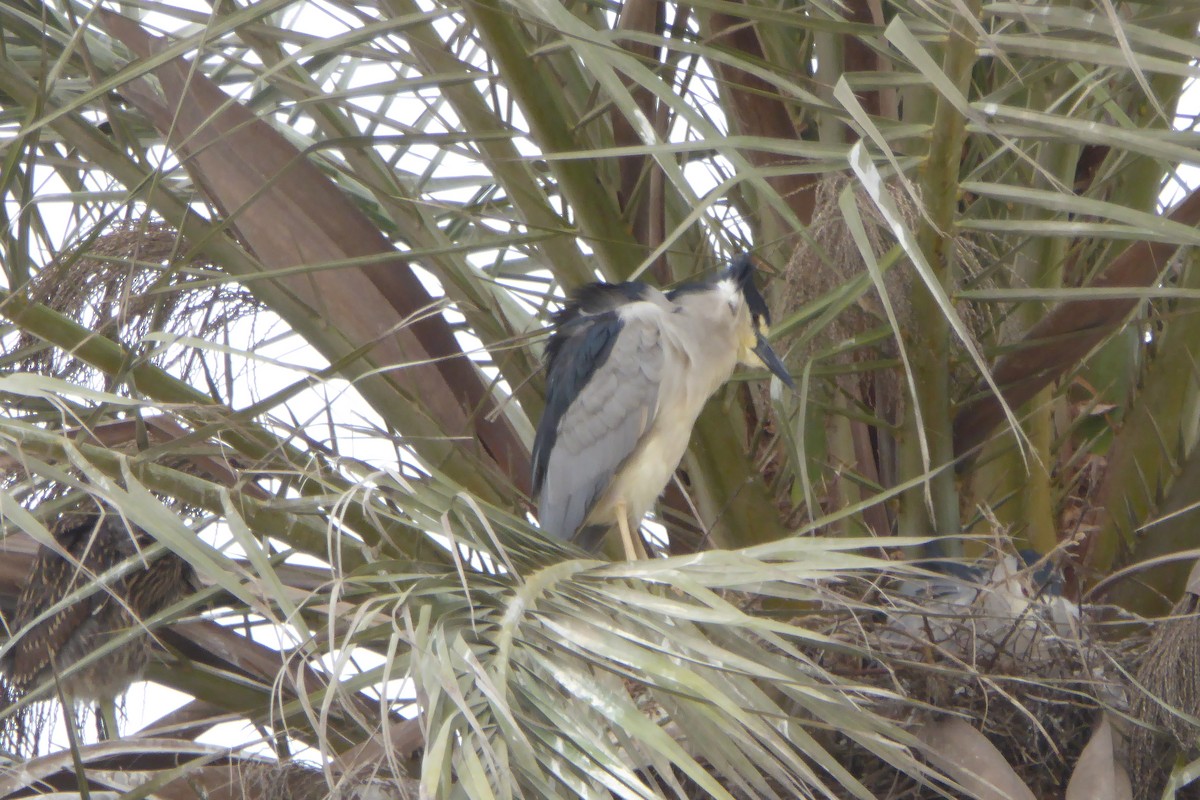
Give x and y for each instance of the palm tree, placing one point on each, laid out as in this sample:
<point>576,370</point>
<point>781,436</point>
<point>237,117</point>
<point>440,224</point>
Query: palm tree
<point>275,276</point>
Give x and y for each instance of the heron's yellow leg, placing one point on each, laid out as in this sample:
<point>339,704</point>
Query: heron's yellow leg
<point>633,547</point>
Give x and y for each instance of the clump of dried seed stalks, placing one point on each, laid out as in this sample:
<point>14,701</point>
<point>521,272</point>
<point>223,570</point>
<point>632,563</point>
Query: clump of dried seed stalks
<point>135,279</point>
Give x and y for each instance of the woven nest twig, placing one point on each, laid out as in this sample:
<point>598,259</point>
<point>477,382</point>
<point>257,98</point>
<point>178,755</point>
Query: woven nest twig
<point>1020,666</point>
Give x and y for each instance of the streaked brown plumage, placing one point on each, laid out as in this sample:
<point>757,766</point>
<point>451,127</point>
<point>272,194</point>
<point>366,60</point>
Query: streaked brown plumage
<point>96,541</point>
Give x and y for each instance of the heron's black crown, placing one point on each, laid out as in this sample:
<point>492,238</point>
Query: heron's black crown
<point>741,272</point>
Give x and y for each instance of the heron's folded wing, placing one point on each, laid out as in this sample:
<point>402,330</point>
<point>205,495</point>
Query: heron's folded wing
<point>604,420</point>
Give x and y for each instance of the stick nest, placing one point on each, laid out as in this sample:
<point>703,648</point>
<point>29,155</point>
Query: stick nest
<point>1017,662</point>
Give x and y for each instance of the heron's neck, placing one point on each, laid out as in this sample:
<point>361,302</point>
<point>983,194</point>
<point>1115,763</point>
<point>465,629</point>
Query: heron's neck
<point>707,332</point>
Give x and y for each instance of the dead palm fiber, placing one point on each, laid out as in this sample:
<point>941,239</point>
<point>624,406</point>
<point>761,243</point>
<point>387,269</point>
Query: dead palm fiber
<point>1168,702</point>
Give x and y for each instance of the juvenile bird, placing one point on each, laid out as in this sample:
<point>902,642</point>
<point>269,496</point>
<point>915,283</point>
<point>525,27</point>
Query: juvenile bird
<point>95,540</point>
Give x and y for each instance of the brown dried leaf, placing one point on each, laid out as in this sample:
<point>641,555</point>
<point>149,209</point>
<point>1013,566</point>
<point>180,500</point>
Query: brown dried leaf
<point>1097,774</point>
<point>967,756</point>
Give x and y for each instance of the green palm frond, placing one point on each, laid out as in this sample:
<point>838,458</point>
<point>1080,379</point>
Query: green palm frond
<point>274,280</point>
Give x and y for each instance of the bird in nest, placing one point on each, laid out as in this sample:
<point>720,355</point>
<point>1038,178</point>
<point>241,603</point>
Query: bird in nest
<point>49,644</point>
<point>629,369</point>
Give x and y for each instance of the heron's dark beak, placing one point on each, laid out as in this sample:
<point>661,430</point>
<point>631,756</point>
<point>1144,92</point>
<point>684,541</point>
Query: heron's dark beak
<point>773,362</point>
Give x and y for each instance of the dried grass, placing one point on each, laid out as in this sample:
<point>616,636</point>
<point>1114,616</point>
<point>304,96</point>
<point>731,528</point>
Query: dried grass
<point>291,780</point>
<point>284,781</point>
<point>830,258</point>
<point>1025,668</point>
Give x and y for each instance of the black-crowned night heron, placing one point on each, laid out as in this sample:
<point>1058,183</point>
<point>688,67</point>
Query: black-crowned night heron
<point>629,369</point>
<point>95,541</point>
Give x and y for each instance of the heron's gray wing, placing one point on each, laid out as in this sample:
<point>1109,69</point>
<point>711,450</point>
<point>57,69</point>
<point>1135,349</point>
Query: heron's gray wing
<point>602,425</point>
<point>580,345</point>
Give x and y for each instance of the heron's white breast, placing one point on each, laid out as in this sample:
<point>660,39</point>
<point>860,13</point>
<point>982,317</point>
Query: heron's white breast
<point>651,468</point>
